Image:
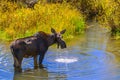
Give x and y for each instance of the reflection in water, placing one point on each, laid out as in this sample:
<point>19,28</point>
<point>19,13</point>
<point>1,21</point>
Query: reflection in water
<point>32,75</point>
<point>87,60</point>
<point>39,74</point>
<point>96,37</point>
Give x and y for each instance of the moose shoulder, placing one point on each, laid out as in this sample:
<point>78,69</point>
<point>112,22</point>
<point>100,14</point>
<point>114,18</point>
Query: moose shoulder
<point>35,45</point>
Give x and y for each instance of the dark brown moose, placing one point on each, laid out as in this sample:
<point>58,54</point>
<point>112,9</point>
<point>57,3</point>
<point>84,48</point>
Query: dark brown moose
<point>33,46</point>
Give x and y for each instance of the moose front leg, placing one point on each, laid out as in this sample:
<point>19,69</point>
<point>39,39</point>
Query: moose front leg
<point>41,60</point>
<point>35,62</point>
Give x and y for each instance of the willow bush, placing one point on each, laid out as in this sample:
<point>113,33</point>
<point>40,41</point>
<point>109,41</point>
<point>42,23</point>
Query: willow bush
<point>18,22</point>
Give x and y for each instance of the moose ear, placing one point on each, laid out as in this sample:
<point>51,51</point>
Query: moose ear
<point>53,30</point>
<point>63,31</point>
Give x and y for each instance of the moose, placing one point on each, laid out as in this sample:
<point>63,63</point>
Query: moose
<point>34,46</point>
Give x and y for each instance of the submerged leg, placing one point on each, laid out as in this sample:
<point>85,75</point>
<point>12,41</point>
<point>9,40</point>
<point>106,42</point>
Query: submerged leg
<point>17,66</point>
<point>41,60</point>
<point>35,62</point>
<point>18,61</point>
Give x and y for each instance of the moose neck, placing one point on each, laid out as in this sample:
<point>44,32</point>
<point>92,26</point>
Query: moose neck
<point>51,40</point>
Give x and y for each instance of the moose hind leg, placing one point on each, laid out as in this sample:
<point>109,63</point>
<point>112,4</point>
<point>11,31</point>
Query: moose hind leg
<point>18,67</point>
<point>18,60</point>
<point>16,63</point>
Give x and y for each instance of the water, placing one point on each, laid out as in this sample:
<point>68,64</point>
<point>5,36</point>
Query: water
<point>94,56</point>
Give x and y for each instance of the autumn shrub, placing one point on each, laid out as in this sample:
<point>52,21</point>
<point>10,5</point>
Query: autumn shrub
<point>21,22</point>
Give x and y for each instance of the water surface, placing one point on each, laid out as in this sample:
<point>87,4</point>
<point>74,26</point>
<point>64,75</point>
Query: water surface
<point>94,56</point>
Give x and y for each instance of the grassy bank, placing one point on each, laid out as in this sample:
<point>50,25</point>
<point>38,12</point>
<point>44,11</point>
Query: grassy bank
<point>17,22</point>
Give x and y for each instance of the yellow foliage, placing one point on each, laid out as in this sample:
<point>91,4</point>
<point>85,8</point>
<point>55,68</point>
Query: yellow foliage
<point>23,22</point>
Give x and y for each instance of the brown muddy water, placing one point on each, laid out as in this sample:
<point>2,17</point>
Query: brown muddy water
<point>93,56</point>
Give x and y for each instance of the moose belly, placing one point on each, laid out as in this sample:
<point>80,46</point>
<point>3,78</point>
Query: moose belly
<point>29,54</point>
<point>30,51</point>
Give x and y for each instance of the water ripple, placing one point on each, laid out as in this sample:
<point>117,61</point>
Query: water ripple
<point>74,63</point>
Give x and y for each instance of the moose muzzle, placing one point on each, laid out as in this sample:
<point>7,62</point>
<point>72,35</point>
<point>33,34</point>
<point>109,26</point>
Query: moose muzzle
<point>62,44</point>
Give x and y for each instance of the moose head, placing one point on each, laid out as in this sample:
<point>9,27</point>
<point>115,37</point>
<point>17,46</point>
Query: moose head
<point>58,38</point>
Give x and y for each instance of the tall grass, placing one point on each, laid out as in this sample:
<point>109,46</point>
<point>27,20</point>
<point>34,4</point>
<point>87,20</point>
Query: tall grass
<point>18,22</point>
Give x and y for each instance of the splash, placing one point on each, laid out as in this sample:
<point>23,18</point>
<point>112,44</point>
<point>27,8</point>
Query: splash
<point>66,60</point>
